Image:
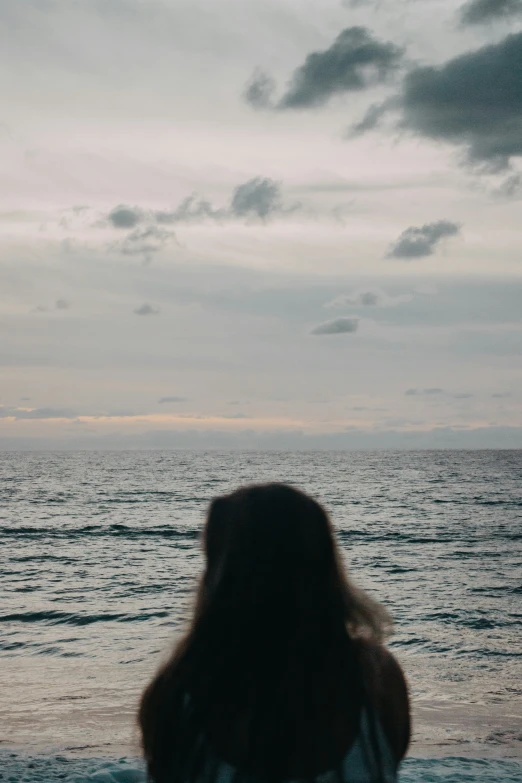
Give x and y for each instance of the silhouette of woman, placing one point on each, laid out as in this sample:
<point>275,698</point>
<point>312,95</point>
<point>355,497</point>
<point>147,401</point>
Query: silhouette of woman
<point>282,674</point>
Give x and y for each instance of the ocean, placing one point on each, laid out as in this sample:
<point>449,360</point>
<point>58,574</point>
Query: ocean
<point>101,553</point>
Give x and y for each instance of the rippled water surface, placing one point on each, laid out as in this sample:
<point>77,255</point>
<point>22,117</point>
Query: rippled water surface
<point>100,554</point>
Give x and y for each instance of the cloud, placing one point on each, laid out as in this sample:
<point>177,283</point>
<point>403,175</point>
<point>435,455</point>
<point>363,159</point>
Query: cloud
<point>346,325</point>
<point>354,61</point>
<point>144,241</point>
<point>146,309</point>
<point>501,395</point>
<point>368,298</point>
<point>484,11</point>
<point>259,90</point>
<point>62,304</point>
<point>192,208</point>
<point>36,413</point>
<point>372,117</point>
<point>510,187</point>
<point>436,391</point>
<point>259,197</point>
<point>419,392</point>
<point>171,399</point>
<point>418,242</point>
<point>123,216</point>
<point>473,101</point>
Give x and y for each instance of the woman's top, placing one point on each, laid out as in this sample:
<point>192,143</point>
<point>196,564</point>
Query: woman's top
<point>359,765</point>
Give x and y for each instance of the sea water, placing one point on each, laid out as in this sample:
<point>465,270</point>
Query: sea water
<point>100,555</point>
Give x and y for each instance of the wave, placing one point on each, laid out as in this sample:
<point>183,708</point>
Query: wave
<point>114,530</point>
<point>55,617</point>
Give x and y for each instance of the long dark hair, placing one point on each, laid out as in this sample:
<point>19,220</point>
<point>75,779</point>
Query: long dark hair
<point>268,675</point>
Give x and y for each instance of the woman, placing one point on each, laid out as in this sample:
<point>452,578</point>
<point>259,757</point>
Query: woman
<point>282,674</point>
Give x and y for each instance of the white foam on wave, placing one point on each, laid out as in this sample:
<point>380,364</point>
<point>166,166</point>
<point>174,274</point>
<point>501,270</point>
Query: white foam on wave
<point>16,768</point>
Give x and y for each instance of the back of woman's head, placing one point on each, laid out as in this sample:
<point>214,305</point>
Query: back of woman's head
<point>267,675</point>
<point>272,572</point>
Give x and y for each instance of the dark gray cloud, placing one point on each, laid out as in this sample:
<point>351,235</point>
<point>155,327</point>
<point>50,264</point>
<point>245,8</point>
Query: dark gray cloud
<point>501,395</point>
<point>484,11</point>
<point>259,90</point>
<point>123,216</point>
<point>259,197</point>
<point>473,101</point>
<point>354,61</point>
<point>163,400</point>
<point>346,325</point>
<point>421,392</point>
<point>418,242</point>
<point>146,309</point>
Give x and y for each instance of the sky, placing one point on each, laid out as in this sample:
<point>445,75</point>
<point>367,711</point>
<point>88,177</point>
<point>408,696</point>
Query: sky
<point>260,224</point>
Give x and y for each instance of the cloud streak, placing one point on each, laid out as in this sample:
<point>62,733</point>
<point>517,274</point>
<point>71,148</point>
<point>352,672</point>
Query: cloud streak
<point>436,392</point>
<point>346,325</point>
<point>8,412</point>
<point>368,298</point>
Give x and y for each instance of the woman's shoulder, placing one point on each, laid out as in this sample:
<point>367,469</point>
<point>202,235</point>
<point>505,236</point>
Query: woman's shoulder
<point>389,689</point>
